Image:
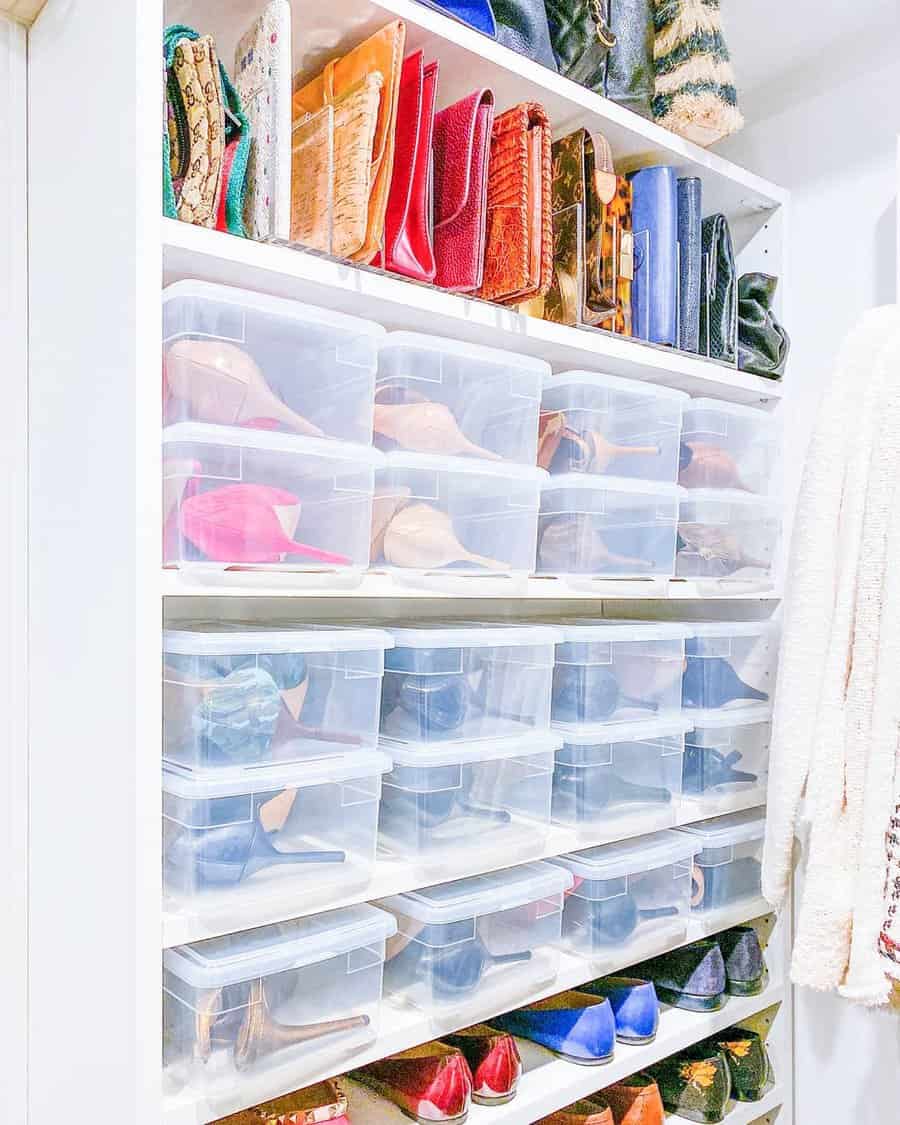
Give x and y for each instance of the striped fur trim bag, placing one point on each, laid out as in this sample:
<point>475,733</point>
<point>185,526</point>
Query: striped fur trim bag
<point>695,92</point>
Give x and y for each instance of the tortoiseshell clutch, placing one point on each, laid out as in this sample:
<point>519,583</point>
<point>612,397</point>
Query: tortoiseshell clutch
<point>593,248</point>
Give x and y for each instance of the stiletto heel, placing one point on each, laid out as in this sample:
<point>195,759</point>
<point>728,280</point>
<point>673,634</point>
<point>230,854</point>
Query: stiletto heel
<point>711,682</point>
<point>704,465</point>
<point>260,1034</point>
<point>409,421</point>
<point>565,450</point>
<point>248,523</point>
<point>221,383</point>
<point>571,544</point>
<point>420,537</point>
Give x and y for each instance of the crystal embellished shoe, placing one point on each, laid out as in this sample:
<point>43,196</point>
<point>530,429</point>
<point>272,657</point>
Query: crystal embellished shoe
<point>494,1061</point>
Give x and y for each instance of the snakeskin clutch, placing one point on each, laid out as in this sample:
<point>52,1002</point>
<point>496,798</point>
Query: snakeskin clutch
<point>718,293</point>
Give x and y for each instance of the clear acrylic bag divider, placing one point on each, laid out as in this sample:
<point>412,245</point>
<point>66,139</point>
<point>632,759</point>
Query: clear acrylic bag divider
<point>238,358</point>
<point>279,1004</point>
<point>443,806</point>
<point>625,780</point>
<point>312,170</point>
<point>726,762</point>
<point>630,900</point>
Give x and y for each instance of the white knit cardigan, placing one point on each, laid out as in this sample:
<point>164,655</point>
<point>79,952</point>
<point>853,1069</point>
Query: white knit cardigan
<point>837,706</point>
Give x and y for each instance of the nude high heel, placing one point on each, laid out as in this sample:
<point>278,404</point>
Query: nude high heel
<point>410,421</point>
<point>220,383</point>
<point>420,537</point>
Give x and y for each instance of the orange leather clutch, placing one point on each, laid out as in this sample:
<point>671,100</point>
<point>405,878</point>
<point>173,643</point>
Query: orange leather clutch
<point>354,77</point>
<point>519,255</point>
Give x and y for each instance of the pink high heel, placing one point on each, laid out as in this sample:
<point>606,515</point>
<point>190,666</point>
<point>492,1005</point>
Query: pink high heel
<point>248,523</point>
<point>220,383</point>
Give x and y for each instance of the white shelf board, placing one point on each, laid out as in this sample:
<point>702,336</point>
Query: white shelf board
<point>468,59</point>
<point>548,1083</point>
<point>209,255</point>
<point>396,876</point>
<point>371,1109</point>
<point>195,582</point>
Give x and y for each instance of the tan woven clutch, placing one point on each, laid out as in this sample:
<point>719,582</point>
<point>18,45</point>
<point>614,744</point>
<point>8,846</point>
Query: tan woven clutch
<point>332,217</point>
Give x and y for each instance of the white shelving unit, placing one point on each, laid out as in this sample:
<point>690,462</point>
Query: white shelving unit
<point>98,254</point>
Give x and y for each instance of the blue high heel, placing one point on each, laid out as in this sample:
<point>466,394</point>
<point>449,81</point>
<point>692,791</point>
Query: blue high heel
<point>236,719</point>
<point>635,1006</point>
<point>579,1027</point>
<point>453,971</point>
<point>588,694</point>
<point>710,682</point>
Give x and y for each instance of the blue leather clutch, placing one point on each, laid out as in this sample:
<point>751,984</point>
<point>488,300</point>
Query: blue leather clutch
<point>655,224</point>
<point>476,13</point>
<point>690,207</point>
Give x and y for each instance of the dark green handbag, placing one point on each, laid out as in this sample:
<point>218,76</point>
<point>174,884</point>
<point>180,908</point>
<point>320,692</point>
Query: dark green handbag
<point>582,39</point>
<point>718,291</point>
<point>763,344</point>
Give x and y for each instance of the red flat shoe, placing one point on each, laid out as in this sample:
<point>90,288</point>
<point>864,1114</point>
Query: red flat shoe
<point>430,1084</point>
<point>494,1061</point>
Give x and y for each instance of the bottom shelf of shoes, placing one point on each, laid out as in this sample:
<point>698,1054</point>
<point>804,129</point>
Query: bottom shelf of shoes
<point>549,1083</point>
<point>547,1079</point>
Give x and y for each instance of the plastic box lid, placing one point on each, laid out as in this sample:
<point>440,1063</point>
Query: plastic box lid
<point>219,961</point>
<point>599,482</point>
<point>612,861</point>
<point>640,730</point>
<point>272,306</point>
<point>206,433</point>
<point>481,894</point>
<point>735,409</point>
<point>426,754</point>
<point>215,638</point>
<point>703,629</point>
<point>721,720</point>
<point>473,466</point>
<point>498,356</point>
<point>473,636</point>
<point>584,631</point>
<point>613,383</point>
<point>733,828</point>
<point>732,496</point>
<point>264,779</point>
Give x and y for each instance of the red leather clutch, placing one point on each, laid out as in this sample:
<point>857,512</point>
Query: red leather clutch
<point>408,248</point>
<point>462,141</point>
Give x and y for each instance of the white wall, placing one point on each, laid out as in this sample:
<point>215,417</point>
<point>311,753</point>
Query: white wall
<point>835,147</point>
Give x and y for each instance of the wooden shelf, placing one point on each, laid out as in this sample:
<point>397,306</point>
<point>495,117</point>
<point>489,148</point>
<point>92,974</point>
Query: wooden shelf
<point>548,1082</point>
<point>209,255</point>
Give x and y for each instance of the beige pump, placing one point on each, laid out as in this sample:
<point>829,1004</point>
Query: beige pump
<point>420,537</point>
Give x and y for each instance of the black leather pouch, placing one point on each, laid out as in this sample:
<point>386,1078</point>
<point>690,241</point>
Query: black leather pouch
<point>630,76</point>
<point>522,26</point>
<point>718,292</point>
<point>581,38</point>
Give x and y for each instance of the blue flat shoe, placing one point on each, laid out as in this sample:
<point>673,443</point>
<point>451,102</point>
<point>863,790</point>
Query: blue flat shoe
<point>635,1006</point>
<point>579,1027</point>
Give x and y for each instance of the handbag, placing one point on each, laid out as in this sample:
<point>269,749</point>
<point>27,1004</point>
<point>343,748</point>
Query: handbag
<point>475,13</point>
<point>408,248</point>
<point>262,68</point>
<point>522,26</point>
<point>363,87</point>
<point>695,92</point>
<point>593,250</point>
<point>629,76</point>
<point>462,138</point>
<point>582,37</point>
<point>207,137</point>
<point>763,344</point>
<point>718,292</point>
<point>655,294</point>
<point>518,261</point>
<point>690,217</point>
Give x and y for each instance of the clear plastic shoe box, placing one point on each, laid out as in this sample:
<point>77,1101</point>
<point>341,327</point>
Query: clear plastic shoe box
<point>237,358</point>
<point>729,863</point>
<point>447,397</point>
<point>259,500</point>
<point>456,516</point>
<point>612,425</point>
<point>458,683</point>
<point>630,900</point>
<point>474,946</point>
<point>444,806</point>
<point>308,829</point>
<point>272,1006</point>
<point>607,527</point>
<point>622,781</point>
<point>240,697</point>
<point>730,665</point>
<point>613,672</point>
<point>728,536</point>
<point>726,445</point>
<point>726,761</point>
